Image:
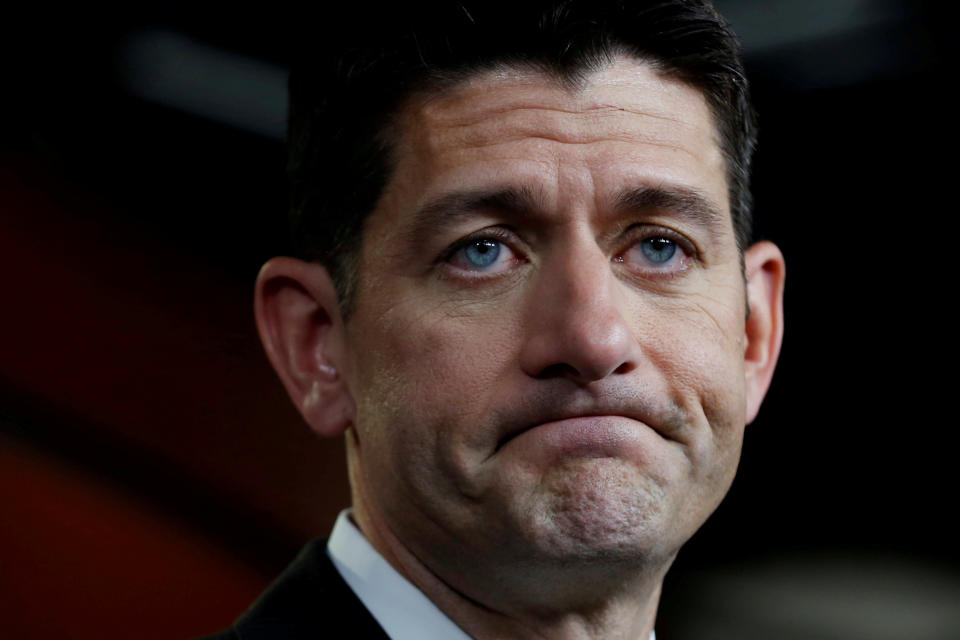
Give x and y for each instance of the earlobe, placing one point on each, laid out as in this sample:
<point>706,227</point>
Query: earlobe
<point>766,274</point>
<point>299,322</point>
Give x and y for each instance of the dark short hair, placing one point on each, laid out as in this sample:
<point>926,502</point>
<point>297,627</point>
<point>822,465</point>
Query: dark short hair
<point>344,97</point>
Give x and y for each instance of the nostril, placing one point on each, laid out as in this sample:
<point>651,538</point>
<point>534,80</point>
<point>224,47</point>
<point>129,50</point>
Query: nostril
<point>565,370</point>
<point>626,367</point>
<point>558,370</point>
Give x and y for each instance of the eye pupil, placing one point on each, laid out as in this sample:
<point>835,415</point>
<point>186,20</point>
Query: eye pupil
<point>658,249</point>
<point>482,253</point>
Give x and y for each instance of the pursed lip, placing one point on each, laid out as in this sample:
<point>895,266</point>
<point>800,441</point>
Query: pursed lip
<point>547,410</point>
<point>551,420</point>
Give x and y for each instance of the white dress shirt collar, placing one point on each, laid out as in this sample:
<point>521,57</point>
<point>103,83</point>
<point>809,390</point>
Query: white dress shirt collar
<point>403,611</point>
<point>398,606</point>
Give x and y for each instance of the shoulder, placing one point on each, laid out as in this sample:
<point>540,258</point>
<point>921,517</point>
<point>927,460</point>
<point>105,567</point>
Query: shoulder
<point>308,600</point>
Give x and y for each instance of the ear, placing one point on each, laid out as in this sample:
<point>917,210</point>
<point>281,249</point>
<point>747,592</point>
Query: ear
<point>765,272</point>
<point>298,317</point>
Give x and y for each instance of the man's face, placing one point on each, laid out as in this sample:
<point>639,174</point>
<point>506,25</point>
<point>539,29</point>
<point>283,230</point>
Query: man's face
<point>547,347</point>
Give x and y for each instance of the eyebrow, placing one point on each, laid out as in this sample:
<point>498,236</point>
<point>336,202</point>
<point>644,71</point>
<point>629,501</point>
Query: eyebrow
<point>451,208</point>
<point>684,202</point>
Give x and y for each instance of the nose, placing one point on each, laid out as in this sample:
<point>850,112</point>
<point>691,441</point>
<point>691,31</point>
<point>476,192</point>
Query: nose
<point>575,326</point>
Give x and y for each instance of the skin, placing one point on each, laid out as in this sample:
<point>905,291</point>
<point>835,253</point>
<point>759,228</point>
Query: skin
<point>570,412</point>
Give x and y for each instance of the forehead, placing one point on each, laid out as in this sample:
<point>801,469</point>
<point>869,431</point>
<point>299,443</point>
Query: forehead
<point>626,122</point>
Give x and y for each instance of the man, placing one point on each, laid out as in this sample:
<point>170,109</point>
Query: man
<point>530,307</point>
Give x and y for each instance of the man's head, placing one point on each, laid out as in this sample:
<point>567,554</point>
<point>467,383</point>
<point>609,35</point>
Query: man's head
<point>547,368</point>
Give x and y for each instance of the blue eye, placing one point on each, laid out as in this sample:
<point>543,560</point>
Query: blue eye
<point>483,256</point>
<point>658,250</point>
<point>482,253</point>
<point>658,253</point>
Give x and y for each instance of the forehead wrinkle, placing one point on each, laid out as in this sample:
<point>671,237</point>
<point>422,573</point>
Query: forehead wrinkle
<point>507,126</point>
<point>631,140</point>
<point>467,105</point>
<point>639,112</point>
<point>522,119</point>
<point>592,111</point>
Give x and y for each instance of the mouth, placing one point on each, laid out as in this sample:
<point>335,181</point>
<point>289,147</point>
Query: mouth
<point>581,421</point>
<point>581,437</point>
<point>572,421</point>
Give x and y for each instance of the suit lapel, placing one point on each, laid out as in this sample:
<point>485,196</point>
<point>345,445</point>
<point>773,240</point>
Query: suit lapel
<point>309,600</point>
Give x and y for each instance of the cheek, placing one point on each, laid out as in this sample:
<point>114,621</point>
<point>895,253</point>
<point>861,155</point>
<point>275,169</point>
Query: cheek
<point>699,348</point>
<point>424,373</point>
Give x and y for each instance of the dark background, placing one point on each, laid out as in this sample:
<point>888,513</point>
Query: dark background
<point>154,476</point>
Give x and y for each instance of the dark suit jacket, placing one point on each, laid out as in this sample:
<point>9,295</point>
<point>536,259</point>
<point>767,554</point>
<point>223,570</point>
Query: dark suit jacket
<point>308,600</point>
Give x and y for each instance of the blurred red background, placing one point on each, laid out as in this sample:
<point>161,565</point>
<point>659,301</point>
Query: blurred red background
<point>149,455</point>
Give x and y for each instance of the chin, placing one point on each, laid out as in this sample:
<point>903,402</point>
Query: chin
<point>601,509</point>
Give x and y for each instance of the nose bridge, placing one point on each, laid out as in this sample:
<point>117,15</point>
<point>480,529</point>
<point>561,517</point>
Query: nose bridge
<point>582,277</point>
<point>576,323</point>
